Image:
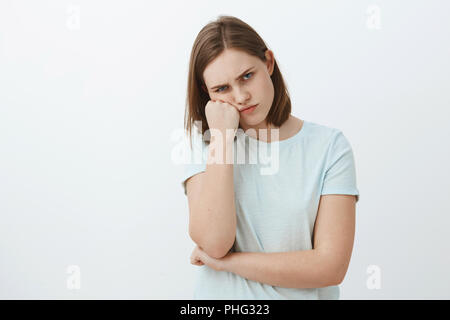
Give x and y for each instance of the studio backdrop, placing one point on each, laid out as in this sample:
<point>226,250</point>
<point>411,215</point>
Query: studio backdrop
<point>92,102</point>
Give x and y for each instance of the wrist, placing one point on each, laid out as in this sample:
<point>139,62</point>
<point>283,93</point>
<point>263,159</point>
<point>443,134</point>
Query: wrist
<point>221,149</point>
<point>227,262</point>
<point>223,134</point>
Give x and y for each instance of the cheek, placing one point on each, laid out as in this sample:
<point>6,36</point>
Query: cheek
<point>217,95</point>
<point>268,86</point>
<point>263,86</point>
<point>266,94</point>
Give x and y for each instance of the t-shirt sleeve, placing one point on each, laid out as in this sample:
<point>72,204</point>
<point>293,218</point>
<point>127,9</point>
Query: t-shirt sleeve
<point>340,174</point>
<point>195,157</point>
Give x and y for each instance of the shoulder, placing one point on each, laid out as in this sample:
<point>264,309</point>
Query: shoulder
<point>323,134</point>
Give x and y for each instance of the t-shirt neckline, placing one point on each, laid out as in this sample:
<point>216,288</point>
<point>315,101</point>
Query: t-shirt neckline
<point>287,141</point>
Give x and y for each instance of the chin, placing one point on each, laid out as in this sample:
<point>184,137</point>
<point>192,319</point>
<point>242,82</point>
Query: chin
<point>255,121</point>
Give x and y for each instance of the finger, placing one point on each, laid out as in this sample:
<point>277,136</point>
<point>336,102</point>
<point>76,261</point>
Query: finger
<point>197,262</point>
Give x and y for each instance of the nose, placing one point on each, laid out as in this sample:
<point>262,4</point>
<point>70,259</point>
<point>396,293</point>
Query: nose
<point>242,96</point>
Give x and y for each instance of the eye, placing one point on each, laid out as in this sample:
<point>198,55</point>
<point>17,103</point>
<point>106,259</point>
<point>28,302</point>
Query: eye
<point>218,90</point>
<point>249,73</point>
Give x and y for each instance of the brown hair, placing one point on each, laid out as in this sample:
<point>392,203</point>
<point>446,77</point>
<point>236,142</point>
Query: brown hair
<point>225,33</point>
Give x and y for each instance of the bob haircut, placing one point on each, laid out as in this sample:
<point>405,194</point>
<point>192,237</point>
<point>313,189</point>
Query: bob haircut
<point>225,33</point>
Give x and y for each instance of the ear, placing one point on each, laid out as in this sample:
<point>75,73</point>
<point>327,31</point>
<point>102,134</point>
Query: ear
<point>270,61</point>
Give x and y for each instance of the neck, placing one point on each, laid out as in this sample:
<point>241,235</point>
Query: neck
<point>255,132</point>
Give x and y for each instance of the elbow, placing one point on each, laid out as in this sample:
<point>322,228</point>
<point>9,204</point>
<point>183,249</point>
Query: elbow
<point>340,277</point>
<point>218,254</point>
<point>341,271</point>
<point>215,248</point>
<point>335,277</point>
<point>329,278</point>
<point>333,272</point>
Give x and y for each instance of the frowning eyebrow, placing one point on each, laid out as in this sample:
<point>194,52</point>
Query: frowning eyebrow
<point>243,73</point>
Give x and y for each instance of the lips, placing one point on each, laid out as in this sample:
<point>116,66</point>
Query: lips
<point>249,107</point>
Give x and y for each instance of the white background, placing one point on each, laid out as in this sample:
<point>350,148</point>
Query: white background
<point>91,92</point>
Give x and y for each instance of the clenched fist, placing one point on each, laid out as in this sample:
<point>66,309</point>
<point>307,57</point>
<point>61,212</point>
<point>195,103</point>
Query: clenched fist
<point>222,116</point>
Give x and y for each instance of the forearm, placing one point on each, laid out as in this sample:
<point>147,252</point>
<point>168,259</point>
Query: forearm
<point>214,222</point>
<point>295,269</point>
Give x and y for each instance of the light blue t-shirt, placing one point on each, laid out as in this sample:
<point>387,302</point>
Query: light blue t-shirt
<point>276,204</point>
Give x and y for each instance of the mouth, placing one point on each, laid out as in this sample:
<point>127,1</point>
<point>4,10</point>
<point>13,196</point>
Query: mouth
<point>249,109</point>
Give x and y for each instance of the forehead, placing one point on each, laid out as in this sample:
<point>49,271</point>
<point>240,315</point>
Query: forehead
<point>227,66</point>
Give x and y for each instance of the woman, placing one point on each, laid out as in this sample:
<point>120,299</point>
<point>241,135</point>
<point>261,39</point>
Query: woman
<point>286,234</point>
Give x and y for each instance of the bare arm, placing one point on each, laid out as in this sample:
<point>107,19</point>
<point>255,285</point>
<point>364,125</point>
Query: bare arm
<point>212,223</point>
<point>293,269</point>
<point>325,265</point>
